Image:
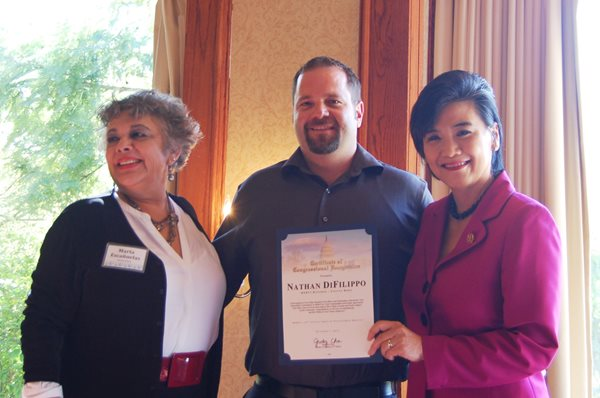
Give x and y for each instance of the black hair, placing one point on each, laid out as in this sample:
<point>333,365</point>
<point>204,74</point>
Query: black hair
<point>449,87</point>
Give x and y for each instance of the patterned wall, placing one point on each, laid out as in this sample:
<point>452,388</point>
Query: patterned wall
<point>271,39</point>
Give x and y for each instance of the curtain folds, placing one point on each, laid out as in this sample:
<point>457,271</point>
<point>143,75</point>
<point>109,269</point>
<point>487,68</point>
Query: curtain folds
<point>527,51</point>
<point>169,48</point>
<point>169,40</point>
<point>577,217</point>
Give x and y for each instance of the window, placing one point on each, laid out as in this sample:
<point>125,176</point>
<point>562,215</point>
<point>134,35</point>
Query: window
<point>589,65</point>
<point>59,61</point>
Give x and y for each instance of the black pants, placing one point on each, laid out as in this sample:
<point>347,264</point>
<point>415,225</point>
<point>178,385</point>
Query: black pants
<point>269,388</point>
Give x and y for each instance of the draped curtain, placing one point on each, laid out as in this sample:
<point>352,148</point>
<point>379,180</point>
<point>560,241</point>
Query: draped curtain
<point>527,51</point>
<point>169,47</point>
<point>169,40</point>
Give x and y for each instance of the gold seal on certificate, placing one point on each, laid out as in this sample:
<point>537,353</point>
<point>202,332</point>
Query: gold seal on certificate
<point>327,304</point>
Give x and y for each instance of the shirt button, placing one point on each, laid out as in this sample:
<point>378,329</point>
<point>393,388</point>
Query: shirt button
<point>425,287</point>
<point>325,219</point>
<point>423,319</point>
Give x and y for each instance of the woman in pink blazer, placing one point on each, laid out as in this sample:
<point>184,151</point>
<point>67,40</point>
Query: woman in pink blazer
<point>482,289</point>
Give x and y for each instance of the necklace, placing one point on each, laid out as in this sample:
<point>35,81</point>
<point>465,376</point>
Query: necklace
<point>170,221</point>
<point>460,216</point>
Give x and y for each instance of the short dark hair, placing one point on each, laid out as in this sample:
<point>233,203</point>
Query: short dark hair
<point>180,129</point>
<point>449,87</point>
<point>327,62</point>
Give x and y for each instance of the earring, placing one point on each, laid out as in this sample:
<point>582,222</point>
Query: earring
<point>495,137</point>
<point>171,173</point>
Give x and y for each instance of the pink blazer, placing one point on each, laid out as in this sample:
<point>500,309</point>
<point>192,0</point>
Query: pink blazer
<point>488,311</point>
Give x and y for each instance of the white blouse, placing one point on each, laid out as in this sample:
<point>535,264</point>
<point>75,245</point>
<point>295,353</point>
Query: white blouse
<point>195,282</point>
<point>194,295</point>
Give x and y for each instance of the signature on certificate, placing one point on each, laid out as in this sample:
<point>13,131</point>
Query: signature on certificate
<point>333,342</point>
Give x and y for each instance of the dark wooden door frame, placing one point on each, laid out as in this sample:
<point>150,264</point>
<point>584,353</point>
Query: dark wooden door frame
<point>393,63</point>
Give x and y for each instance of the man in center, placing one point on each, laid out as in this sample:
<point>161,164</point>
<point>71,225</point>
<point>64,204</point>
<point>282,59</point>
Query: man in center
<point>329,182</point>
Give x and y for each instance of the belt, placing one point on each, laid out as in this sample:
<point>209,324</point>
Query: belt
<point>182,369</point>
<point>381,389</point>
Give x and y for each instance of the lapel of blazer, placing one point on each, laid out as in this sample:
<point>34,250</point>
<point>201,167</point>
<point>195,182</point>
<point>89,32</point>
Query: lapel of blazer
<point>435,230</point>
<point>189,209</point>
<point>476,231</point>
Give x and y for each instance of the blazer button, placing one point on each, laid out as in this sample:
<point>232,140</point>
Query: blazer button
<point>423,319</point>
<point>425,287</point>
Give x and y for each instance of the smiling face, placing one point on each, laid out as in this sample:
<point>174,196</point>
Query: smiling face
<point>325,118</point>
<point>459,148</point>
<point>136,155</point>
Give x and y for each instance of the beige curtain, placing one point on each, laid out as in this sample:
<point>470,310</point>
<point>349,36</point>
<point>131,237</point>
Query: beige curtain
<point>169,47</point>
<point>527,50</point>
<point>169,40</point>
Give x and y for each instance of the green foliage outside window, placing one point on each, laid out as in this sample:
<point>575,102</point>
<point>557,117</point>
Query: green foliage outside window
<point>50,146</point>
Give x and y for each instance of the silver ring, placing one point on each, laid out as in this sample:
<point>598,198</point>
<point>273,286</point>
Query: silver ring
<point>390,344</point>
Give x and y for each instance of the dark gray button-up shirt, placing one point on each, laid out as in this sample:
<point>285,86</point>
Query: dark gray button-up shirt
<point>288,195</point>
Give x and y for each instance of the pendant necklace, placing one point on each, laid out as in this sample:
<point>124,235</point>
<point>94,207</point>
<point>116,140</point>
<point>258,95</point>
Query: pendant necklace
<point>170,221</point>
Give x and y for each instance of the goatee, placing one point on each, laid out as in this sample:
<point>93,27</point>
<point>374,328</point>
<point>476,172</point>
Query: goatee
<point>322,143</point>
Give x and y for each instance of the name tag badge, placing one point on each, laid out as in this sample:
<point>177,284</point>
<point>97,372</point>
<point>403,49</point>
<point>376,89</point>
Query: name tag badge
<point>128,258</point>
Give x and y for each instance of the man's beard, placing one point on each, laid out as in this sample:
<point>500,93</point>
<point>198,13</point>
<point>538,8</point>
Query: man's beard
<point>322,143</point>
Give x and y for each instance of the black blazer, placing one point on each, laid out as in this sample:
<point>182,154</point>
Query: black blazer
<point>98,331</point>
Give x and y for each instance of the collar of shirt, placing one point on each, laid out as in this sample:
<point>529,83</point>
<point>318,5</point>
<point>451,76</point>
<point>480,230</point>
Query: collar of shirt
<point>362,161</point>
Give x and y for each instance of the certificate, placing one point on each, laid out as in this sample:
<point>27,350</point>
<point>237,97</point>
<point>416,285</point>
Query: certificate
<point>327,294</point>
